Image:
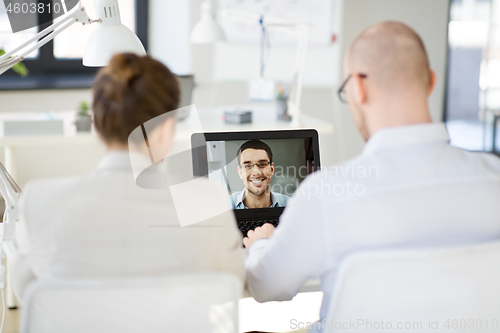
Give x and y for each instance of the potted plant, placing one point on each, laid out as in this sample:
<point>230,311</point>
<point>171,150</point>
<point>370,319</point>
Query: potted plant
<point>19,68</point>
<point>83,119</point>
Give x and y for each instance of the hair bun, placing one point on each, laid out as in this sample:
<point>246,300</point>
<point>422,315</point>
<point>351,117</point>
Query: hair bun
<point>125,68</point>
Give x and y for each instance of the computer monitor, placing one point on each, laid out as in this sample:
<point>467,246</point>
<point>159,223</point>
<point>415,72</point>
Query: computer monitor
<point>186,85</point>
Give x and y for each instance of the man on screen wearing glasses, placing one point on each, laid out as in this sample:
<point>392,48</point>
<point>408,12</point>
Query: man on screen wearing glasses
<point>256,169</point>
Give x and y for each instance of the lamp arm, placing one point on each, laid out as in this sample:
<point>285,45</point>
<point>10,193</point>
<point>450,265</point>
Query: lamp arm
<point>9,201</point>
<point>41,34</point>
<point>8,60</point>
<point>299,73</point>
<point>10,192</point>
<point>251,18</point>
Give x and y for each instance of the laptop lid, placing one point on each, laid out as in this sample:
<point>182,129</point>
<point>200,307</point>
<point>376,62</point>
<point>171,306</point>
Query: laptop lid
<point>257,168</point>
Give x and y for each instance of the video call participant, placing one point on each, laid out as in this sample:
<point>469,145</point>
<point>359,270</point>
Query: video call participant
<point>103,224</point>
<point>256,170</point>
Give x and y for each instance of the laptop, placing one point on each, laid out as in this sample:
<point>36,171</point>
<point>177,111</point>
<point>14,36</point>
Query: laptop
<point>260,170</point>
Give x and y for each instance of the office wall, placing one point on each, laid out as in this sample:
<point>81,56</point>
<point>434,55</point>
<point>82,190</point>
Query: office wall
<point>169,30</point>
<point>237,63</point>
<point>223,70</point>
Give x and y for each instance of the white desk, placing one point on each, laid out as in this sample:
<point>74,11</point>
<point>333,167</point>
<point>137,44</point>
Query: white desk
<point>69,138</point>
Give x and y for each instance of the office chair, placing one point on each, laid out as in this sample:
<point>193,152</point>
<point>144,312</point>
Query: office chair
<point>199,302</point>
<point>426,290</point>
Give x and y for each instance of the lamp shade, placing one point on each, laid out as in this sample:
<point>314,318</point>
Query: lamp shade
<point>207,30</point>
<point>106,41</point>
<point>110,37</point>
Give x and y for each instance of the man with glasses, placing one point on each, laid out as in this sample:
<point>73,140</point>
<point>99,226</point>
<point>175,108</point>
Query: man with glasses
<point>408,187</point>
<point>256,170</point>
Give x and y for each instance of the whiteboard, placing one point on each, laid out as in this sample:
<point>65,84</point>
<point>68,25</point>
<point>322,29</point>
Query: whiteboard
<point>316,13</point>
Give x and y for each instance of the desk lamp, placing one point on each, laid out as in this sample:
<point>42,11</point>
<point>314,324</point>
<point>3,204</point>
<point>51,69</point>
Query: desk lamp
<point>109,38</point>
<point>11,193</point>
<point>208,30</point>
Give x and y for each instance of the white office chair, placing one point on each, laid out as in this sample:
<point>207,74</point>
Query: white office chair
<point>458,287</point>
<point>198,302</point>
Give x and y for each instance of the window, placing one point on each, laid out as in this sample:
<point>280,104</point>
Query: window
<point>468,37</point>
<point>58,64</point>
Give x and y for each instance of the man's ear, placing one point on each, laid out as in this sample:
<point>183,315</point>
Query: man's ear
<point>433,80</point>
<point>359,90</point>
<point>272,169</point>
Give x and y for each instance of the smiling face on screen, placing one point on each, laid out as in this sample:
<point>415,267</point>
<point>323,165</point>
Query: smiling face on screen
<point>256,171</point>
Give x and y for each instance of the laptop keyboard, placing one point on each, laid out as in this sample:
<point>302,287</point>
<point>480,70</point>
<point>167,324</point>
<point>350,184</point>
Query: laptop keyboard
<point>246,226</point>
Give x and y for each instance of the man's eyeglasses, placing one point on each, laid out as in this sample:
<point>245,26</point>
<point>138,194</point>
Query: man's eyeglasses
<point>342,94</point>
<point>260,165</point>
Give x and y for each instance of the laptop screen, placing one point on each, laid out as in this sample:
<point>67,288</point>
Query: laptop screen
<point>260,171</point>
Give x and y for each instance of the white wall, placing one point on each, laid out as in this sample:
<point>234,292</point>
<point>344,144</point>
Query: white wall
<point>169,29</point>
<point>229,62</point>
<point>240,63</point>
<point>228,66</point>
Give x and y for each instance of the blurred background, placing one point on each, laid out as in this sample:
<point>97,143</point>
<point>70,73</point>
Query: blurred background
<point>461,37</point>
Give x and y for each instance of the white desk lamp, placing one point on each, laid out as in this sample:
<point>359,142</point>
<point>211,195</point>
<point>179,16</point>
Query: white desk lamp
<point>11,193</point>
<point>109,38</point>
<point>208,30</point>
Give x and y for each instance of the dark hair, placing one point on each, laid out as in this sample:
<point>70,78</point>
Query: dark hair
<point>255,144</point>
<point>130,91</point>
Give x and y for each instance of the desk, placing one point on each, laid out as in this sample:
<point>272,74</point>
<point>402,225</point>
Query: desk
<point>69,138</point>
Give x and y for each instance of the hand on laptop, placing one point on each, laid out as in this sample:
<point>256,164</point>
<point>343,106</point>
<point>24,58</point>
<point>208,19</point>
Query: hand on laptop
<point>265,231</point>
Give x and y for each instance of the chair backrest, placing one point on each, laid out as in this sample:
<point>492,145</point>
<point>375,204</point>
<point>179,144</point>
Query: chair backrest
<point>196,302</point>
<point>455,289</point>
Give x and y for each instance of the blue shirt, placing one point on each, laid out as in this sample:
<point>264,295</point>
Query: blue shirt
<point>277,200</point>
